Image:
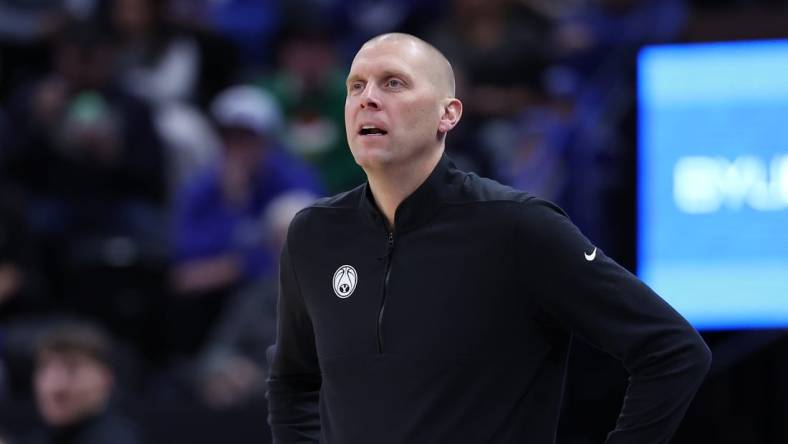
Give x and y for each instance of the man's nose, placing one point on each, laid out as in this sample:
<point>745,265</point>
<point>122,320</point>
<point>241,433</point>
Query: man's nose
<point>369,98</point>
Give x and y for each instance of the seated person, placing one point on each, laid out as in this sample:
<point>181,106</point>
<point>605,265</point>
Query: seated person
<point>73,380</point>
<point>219,226</point>
<point>218,215</point>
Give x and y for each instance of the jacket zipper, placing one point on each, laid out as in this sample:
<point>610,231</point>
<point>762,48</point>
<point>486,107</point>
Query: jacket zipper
<point>385,290</point>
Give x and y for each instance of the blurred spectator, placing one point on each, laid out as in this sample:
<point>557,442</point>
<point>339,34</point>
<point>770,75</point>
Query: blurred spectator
<point>21,292</point>
<point>73,383</point>
<point>157,63</point>
<point>175,67</point>
<point>27,28</point>
<point>232,367</point>
<point>535,160</point>
<point>498,58</point>
<point>25,21</point>
<point>360,20</point>
<point>84,146</point>
<point>310,85</point>
<point>92,169</point>
<point>190,139</point>
<point>23,295</point>
<point>280,212</point>
<point>162,61</point>
<point>592,35</point>
<point>219,242</point>
<point>250,24</point>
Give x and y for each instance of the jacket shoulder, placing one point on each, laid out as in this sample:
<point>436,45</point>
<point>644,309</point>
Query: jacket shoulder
<point>473,188</point>
<point>520,205</point>
<point>345,200</point>
<point>312,216</point>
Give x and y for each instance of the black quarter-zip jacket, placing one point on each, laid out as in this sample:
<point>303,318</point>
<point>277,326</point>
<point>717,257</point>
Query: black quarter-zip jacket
<point>454,326</point>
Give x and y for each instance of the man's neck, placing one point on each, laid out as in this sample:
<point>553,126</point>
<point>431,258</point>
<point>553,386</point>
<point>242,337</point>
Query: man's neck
<point>392,185</point>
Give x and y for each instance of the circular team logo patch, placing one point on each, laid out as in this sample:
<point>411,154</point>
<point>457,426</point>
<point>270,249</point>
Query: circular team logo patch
<point>345,280</point>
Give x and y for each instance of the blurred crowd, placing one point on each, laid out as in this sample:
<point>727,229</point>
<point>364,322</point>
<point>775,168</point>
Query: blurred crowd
<point>152,154</point>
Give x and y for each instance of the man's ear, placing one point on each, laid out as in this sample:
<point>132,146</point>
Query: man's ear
<point>452,111</point>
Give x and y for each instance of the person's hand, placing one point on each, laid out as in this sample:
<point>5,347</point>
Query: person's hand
<point>10,279</point>
<point>235,380</point>
<point>201,275</point>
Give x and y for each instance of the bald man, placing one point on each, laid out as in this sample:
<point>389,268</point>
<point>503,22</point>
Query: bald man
<point>430,305</point>
<point>399,107</point>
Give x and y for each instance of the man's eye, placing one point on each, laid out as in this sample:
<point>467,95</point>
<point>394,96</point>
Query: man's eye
<point>394,83</point>
<point>356,86</point>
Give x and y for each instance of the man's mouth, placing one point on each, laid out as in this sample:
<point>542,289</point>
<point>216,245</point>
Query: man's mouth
<point>369,130</point>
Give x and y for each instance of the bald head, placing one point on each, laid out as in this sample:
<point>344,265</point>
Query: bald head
<point>400,105</point>
<point>436,66</point>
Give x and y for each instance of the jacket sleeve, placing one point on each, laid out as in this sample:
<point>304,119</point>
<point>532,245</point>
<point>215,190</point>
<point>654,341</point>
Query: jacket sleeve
<point>596,299</point>
<point>294,382</point>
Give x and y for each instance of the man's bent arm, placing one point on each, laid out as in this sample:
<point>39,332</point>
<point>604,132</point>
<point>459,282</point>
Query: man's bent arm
<point>294,384</point>
<point>598,300</point>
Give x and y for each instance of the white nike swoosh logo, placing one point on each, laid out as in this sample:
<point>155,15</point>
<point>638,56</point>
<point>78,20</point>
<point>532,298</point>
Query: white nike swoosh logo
<point>590,257</point>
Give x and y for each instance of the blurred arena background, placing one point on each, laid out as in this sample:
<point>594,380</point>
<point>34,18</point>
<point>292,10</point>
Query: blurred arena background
<point>153,152</point>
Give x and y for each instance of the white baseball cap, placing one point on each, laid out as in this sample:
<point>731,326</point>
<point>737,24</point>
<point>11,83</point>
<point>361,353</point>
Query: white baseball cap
<point>249,107</point>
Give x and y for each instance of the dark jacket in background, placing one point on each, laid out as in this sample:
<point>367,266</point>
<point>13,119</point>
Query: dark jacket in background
<point>106,428</point>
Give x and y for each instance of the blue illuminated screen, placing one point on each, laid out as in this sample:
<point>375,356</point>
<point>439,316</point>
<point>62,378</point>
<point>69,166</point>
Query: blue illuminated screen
<point>713,181</point>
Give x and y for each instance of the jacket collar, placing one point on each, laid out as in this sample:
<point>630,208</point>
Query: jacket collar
<point>420,205</point>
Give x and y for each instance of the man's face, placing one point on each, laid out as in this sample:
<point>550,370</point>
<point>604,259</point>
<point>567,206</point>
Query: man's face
<point>393,108</point>
<point>69,386</point>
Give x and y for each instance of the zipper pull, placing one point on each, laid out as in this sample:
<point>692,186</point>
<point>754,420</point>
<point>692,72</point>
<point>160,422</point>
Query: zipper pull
<point>389,246</point>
